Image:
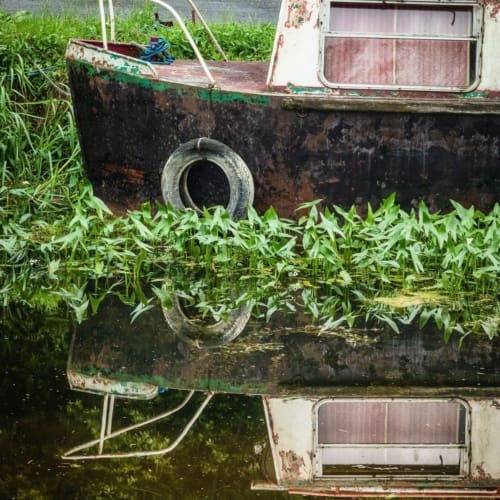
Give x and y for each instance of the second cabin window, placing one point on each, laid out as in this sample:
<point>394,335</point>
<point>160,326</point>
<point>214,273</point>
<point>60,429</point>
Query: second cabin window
<point>393,45</point>
<point>405,437</point>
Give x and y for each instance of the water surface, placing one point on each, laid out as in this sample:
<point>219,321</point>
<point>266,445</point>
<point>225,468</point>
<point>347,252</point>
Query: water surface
<point>40,418</point>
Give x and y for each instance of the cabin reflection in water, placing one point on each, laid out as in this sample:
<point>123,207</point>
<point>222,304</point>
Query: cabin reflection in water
<point>369,414</point>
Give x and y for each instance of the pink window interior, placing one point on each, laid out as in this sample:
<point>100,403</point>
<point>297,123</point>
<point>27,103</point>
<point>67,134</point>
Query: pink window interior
<point>392,422</point>
<point>361,59</point>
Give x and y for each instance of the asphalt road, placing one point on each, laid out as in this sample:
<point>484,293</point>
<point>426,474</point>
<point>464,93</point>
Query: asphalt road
<point>212,10</point>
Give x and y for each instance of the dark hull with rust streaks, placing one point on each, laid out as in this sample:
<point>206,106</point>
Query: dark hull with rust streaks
<point>129,126</point>
<point>278,357</point>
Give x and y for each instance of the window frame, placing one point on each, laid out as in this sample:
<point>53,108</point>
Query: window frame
<point>464,449</point>
<point>476,36</point>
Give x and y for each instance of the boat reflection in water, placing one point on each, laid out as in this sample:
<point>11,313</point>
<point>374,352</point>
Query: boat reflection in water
<point>358,411</point>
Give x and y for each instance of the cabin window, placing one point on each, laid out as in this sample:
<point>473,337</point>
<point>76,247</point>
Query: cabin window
<point>396,45</point>
<point>391,437</point>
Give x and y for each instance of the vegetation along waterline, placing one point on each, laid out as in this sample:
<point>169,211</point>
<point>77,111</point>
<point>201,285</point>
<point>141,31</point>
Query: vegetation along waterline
<point>60,244</point>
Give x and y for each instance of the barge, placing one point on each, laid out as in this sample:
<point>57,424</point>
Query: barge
<point>360,99</point>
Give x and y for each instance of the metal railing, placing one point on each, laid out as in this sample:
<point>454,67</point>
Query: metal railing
<point>177,17</point>
<point>106,433</point>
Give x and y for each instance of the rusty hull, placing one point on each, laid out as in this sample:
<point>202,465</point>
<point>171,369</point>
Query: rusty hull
<point>286,356</point>
<point>297,151</point>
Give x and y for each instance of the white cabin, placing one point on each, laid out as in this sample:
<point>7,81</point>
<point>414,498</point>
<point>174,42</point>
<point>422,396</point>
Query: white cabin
<point>429,46</point>
<point>372,446</point>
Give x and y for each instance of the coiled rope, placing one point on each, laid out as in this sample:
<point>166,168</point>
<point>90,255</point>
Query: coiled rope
<point>156,52</point>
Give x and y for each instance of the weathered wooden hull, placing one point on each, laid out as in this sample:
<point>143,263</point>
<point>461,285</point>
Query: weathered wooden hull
<point>297,149</point>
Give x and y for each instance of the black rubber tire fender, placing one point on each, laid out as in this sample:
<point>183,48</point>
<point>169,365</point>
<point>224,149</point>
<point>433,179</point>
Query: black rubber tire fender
<point>205,335</point>
<point>239,177</point>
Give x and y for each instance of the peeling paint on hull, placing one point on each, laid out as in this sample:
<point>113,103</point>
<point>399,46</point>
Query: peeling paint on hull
<point>129,125</point>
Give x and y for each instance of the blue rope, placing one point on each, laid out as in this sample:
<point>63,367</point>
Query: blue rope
<point>156,52</point>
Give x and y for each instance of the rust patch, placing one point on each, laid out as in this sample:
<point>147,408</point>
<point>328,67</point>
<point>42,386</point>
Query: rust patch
<point>298,14</point>
<point>291,464</point>
<point>161,100</point>
<point>494,6</point>
<point>127,174</point>
<point>287,195</point>
<point>479,474</point>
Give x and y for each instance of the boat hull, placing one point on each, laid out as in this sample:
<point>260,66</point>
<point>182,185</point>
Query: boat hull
<point>130,125</point>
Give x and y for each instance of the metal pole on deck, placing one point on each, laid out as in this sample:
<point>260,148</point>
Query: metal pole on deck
<point>196,13</point>
<point>103,24</point>
<point>111,20</point>
<point>189,37</point>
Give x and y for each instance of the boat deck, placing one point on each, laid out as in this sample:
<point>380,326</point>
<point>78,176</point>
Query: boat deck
<point>238,76</point>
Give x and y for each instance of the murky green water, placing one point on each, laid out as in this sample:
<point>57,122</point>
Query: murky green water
<point>41,418</point>
<point>248,352</point>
